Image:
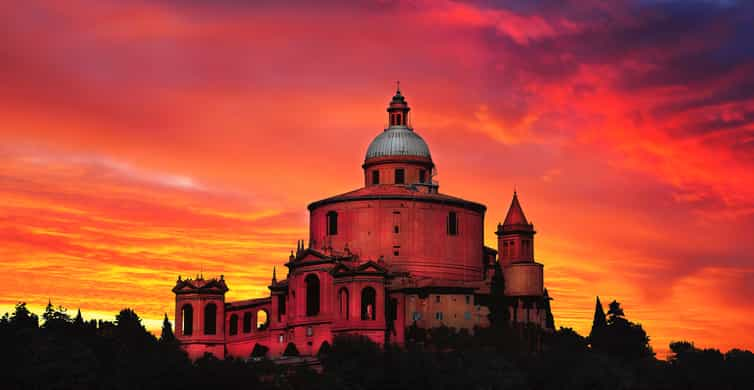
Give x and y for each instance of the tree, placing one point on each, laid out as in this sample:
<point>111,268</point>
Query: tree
<point>615,313</point>
<point>549,318</point>
<point>55,317</point>
<point>599,323</point>
<point>499,316</point>
<point>128,319</point>
<point>167,336</point>
<point>22,318</point>
<point>291,350</point>
<point>620,337</point>
<point>599,320</point>
<point>259,351</point>
<point>78,322</point>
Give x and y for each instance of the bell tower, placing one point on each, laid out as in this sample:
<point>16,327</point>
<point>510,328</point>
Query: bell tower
<point>515,236</point>
<point>200,315</point>
<point>524,283</point>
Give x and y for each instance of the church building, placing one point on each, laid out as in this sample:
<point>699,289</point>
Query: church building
<point>392,254</point>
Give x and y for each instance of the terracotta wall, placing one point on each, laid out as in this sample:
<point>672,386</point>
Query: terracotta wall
<point>422,244</point>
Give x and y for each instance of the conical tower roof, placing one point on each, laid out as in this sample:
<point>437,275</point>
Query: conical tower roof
<point>515,213</point>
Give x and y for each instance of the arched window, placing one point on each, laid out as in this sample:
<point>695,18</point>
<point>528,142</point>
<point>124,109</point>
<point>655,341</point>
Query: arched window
<point>452,223</point>
<point>247,322</point>
<point>187,314</point>
<point>332,223</point>
<point>368,304</point>
<point>343,308</point>
<point>233,326</point>
<point>312,295</point>
<point>375,177</point>
<point>263,319</point>
<point>210,318</point>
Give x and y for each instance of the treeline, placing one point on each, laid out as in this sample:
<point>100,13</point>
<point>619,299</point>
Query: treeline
<point>63,352</point>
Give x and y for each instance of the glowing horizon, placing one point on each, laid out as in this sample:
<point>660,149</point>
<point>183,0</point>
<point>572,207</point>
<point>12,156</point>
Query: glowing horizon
<point>164,138</point>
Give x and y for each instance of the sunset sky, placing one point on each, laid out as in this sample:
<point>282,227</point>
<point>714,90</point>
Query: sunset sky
<point>143,140</point>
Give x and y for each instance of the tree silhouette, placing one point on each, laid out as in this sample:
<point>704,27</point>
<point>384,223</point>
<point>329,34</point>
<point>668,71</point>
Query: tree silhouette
<point>55,317</point>
<point>291,350</point>
<point>22,318</point>
<point>599,320</point>
<point>167,336</point>
<point>78,322</point>
<point>620,337</point>
<point>499,316</point>
<point>615,313</point>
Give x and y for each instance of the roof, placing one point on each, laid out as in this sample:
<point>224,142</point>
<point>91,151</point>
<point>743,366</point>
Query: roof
<point>515,213</point>
<point>398,192</point>
<point>200,285</point>
<point>398,141</point>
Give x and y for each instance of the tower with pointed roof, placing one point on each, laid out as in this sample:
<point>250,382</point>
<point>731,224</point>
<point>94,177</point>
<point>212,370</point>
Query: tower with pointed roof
<point>524,284</point>
<point>515,236</point>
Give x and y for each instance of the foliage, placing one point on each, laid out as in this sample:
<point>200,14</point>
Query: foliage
<point>167,336</point>
<point>75,354</point>
<point>259,351</point>
<point>291,350</point>
<point>619,337</point>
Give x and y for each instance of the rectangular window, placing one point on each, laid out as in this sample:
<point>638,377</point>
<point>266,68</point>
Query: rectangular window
<point>417,316</point>
<point>422,176</point>
<point>396,229</point>
<point>468,299</point>
<point>452,223</point>
<point>505,248</point>
<point>280,339</point>
<point>375,177</point>
<point>438,316</point>
<point>400,176</point>
<point>281,307</point>
<point>437,298</point>
<point>396,251</point>
<point>309,331</point>
<point>332,223</point>
<point>467,315</point>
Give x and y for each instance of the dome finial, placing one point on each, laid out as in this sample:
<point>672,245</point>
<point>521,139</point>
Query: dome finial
<point>398,87</point>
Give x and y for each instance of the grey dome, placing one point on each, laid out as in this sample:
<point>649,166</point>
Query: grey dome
<point>398,141</point>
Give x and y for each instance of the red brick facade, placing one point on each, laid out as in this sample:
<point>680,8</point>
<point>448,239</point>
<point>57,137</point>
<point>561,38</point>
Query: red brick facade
<point>393,253</point>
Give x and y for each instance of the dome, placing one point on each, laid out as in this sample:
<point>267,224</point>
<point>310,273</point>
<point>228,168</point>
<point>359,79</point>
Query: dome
<point>398,141</point>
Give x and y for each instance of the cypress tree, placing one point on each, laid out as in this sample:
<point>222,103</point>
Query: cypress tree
<point>600,320</point>
<point>549,319</point>
<point>167,335</point>
<point>79,320</point>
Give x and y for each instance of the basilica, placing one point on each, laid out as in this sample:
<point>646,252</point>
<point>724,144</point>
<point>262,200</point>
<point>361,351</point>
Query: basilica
<point>392,254</point>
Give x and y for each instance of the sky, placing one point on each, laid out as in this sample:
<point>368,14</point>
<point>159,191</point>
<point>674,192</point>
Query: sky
<point>143,140</point>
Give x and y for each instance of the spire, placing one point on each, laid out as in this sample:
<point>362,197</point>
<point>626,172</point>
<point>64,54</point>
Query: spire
<point>274,276</point>
<point>515,213</point>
